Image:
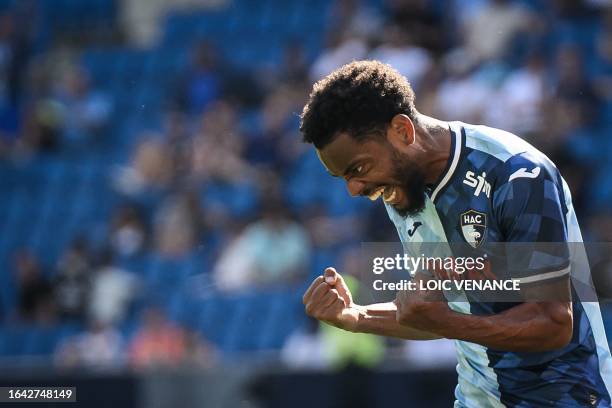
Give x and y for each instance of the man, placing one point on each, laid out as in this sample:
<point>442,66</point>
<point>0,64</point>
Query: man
<point>363,123</point>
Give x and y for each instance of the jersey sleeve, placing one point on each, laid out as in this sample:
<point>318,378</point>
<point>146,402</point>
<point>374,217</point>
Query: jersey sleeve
<point>530,210</point>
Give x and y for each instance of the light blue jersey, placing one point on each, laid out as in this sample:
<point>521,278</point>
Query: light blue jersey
<point>498,188</point>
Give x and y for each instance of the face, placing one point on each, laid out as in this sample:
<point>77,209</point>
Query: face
<point>380,167</point>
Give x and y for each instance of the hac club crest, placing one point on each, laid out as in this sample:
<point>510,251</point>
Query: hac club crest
<point>473,227</point>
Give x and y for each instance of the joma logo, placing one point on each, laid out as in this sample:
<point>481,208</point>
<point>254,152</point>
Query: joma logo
<point>479,183</point>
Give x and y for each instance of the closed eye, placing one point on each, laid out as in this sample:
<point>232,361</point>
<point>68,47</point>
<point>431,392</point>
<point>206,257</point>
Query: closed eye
<point>357,170</point>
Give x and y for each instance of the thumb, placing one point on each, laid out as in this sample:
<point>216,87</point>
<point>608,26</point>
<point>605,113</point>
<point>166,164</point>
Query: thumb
<point>331,276</point>
<point>334,279</point>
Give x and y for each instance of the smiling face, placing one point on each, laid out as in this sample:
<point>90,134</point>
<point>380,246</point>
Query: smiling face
<point>360,120</point>
<point>380,166</point>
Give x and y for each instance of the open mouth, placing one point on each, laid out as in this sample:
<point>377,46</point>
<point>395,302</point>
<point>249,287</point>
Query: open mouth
<point>388,193</point>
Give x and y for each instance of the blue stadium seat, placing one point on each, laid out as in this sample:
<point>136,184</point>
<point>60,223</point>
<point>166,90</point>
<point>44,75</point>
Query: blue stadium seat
<point>286,313</point>
<point>217,316</point>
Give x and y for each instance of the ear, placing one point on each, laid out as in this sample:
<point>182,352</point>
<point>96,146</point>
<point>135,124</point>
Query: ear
<point>401,133</point>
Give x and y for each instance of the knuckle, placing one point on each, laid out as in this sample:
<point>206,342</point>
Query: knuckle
<point>309,309</point>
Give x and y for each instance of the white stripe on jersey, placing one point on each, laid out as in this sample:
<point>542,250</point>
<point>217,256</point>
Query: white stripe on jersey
<point>544,276</point>
<point>453,166</point>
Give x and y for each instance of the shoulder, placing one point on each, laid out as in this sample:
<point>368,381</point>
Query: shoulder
<point>506,156</point>
<point>527,167</point>
<point>494,142</point>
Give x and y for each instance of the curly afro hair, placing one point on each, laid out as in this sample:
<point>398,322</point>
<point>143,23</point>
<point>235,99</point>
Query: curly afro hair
<point>359,98</point>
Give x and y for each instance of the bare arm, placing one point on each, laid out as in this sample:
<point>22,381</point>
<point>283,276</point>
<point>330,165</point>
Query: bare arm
<point>527,327</point>
<point>381,319</point>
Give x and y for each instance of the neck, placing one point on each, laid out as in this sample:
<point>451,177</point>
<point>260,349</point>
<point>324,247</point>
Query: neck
<point>435,143</point>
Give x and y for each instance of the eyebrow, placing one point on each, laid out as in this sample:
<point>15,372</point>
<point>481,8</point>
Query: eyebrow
<point>348,168</point>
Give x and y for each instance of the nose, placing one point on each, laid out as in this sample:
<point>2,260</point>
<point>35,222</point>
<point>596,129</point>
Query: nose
<point>355,187</point>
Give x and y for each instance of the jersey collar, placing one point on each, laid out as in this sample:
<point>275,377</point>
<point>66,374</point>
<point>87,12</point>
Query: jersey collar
<point>457,136</point>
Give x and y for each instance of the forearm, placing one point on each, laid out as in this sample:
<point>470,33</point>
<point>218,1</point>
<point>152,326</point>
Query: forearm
<point>528,327</point>
<point>381,319</point>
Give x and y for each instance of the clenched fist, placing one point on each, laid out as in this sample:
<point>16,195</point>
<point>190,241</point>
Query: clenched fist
<point>328,299</point>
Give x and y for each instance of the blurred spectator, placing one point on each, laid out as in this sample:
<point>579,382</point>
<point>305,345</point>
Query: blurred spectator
<point>35,301</point>
<point>201,85</point>
<point>275,147</point>
<point>85,112</point>
<point>519,100</point>
<point>572,88</point>
<point>462,95</point>
<point>100,348</point>
<point>64,110</point>
<point>177,135</point>
<point>73,280</point>
<point>603,61</point>
<point>572,9</point>
<point>341,49</point>
<point>41,127</point>
<point>573,110</point>
<point>217,147</point>
<point>305,348</point>
<point>177,225</point>
<point>294,68</point>
<point>600,227</point>
<point>599,3</point>
<point>422,20</point>
<point>356,18</point>
<point>42,115</point>
<point>577,173</point>
<point>15,51</point>
<point>272,251</point>
<point>152,167</point>
<point>489,34</point>
<point>327,231</point>
<point>141,20</point>
<point>158,342</point>
<point>400,52</point>
<point>430,354</point>
<point>128,232</point>
<point>112,292</point>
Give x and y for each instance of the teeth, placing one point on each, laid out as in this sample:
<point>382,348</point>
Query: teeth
<point>374,196</point>
<point>389,194</point>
